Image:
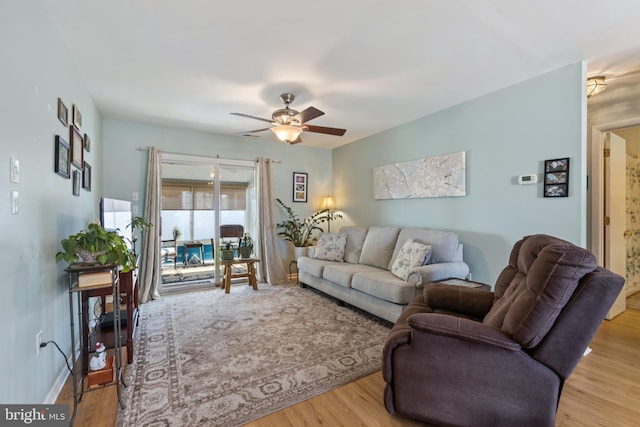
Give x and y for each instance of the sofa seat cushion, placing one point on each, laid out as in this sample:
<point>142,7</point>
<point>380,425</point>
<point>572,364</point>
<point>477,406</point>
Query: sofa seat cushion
<point>386,286</point>
<point>342,273</point>
<point>312,266</point>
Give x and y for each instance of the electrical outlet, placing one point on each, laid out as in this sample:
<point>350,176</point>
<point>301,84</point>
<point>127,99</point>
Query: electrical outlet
<point>38,342</point>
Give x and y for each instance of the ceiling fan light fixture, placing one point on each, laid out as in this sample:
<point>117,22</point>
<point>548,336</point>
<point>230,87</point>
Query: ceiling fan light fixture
<point>287,133</point>
<point>285,116</point>
<point>595,85</point>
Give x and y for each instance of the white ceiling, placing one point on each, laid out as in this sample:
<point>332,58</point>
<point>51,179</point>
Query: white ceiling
<point>369,65</point>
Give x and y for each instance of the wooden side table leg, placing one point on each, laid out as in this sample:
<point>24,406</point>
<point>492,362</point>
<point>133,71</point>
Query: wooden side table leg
<point>227,278</point>
<point>252,275</point>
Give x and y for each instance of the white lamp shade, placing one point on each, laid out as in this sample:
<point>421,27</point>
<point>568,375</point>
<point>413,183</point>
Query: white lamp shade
<point>287,133</point>
<point>328,203</point>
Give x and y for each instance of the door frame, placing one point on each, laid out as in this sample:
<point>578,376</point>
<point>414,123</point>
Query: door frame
<point>217,162</point>
<point>596,184</point>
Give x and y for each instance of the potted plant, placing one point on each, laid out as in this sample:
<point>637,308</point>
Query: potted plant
<point>96,245</point>
<point>300,231</point>
<point>226,251</point>
<point>245,246</point>
<point>176,233</point>
<point>138,223</point>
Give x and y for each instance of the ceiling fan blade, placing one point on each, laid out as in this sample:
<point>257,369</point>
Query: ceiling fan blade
<point>322,129</point>
<point>249,132</point>
<point>309,114</point>
<point>296,141</point>
<point>251,117</point>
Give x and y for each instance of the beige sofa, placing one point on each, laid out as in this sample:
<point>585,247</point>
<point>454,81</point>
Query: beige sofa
<point>364,278</point>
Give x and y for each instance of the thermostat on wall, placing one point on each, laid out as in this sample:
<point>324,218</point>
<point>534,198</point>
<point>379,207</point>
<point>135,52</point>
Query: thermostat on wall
<point>528,179</point>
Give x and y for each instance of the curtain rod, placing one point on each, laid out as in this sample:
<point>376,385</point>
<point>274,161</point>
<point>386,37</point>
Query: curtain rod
<point>217,156</point>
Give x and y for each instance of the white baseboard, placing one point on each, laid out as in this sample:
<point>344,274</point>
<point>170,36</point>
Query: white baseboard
<point>53,394</point>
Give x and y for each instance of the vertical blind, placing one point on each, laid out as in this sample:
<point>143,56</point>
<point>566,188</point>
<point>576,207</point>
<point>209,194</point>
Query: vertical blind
<point>198,195</point>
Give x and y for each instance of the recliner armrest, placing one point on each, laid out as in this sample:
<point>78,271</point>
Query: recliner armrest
<point>397,337</point>
<point>440,271</point>
<point>465,329</point>
<point>458,299</point>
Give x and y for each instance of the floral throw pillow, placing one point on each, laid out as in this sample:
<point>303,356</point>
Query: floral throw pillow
<point>331,246</point>
<point>411,255</point>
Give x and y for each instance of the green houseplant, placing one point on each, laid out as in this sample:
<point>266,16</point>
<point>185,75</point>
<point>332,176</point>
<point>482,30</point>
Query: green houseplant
<point>138,223</point>
<point>176,233</point>
<point>226,251</point>
<point>245,246</point>
<point>96,245</point>
<point>300,231</point>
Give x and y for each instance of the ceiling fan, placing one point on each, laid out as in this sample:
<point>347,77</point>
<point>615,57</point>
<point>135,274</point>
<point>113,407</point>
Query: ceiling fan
<point>288,124</point>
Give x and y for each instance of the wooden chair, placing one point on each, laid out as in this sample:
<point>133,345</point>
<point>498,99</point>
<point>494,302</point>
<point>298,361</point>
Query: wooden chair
<point>235,231</point>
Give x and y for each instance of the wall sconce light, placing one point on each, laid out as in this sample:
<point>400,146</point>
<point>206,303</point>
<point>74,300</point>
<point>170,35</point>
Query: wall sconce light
<point>329,204</point>
<point>595,85</point>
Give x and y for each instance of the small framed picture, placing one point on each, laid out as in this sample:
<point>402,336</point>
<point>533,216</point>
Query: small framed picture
<point>86,176</point>
<point>62,159</point>
<point>300,186</point>
<point>87,143</point>
<point>77,176</point>
<point>77,117</point>
<point>77,147</point>
<point>63,113</point>
<point>556,177</point>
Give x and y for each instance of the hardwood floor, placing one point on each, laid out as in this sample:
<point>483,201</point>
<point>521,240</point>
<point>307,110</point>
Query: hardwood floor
<point>604,390</point>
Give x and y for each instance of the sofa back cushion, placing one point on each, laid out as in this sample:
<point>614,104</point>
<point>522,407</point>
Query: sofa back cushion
<point>444,244</point>
<point>542,274</point>
<point>378,246</point>
<point>355,240</point>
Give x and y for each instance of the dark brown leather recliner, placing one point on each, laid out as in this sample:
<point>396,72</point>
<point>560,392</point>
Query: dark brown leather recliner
<point>466,357</point>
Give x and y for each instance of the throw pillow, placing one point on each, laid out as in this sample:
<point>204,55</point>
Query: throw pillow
<point>412,255</point>
<point>331,246</point>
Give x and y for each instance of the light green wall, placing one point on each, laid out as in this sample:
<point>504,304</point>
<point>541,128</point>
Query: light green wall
<point>504,134</point>
<point>36,70</point>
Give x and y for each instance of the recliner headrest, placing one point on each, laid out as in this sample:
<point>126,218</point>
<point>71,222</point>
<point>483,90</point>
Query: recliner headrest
<point>531,291</point>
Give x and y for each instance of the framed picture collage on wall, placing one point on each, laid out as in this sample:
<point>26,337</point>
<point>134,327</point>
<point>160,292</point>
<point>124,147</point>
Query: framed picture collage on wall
<point>300,186</point>
<point>556,177</point>
<point>71,153</point>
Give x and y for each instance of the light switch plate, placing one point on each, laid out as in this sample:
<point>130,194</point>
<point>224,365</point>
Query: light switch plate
<point>15,170</point>
<point>134,196</point>
<point>15,202</point>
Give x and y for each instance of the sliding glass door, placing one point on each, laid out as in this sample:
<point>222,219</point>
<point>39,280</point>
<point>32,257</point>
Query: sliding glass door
<point>199,195</point>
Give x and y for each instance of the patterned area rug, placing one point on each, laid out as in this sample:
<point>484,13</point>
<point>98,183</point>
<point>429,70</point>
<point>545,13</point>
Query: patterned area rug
<point>209,358</point>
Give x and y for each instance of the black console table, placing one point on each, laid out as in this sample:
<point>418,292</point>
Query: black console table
<point>76,273</point>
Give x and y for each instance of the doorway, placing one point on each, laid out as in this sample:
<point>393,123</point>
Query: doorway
<point>199,195</point>
<point>627,261</point>
<point>631,135</point>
